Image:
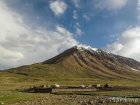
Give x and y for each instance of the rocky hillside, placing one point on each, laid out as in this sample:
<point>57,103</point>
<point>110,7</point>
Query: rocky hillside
<point>83,62</point>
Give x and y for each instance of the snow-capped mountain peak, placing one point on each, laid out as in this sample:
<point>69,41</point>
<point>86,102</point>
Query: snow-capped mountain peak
<point>81,47</point>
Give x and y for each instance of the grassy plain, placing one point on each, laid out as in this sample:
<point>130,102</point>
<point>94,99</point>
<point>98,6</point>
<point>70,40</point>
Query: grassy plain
<point>9,82</point>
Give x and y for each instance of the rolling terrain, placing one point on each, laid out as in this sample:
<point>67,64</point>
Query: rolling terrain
<point>75,66</point>
<point>81,62</point>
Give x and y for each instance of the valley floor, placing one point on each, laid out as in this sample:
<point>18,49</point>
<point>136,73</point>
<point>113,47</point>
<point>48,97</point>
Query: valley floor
<point>10,96</point>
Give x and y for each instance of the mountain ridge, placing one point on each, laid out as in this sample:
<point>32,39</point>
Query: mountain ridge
<point>128,61</point>
<point>81,62</point>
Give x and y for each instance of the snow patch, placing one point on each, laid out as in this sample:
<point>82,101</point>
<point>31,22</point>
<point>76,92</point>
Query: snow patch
<point>82,47</point>
<point>135,70</point>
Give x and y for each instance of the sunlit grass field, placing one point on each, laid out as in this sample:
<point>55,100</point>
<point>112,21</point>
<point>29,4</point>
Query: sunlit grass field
<point>10,82</point>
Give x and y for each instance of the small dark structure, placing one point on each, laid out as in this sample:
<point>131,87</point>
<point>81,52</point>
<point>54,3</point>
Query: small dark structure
<point>38,90</point>
<point>98,86</point>
<point>106,86</point>
<point>43,90</point>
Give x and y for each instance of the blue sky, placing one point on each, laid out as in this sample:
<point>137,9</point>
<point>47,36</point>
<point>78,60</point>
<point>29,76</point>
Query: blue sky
<point>97,31</point>
<point>52,26</point>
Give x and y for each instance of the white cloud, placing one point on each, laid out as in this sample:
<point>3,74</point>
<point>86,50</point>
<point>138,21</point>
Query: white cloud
<point>128,44</point>
<point>78,32</point>
<point>75,15</point>
<point>8,54</point>
<point>58,7</point>
<point>77,24</point>
<point>76,3</point>
<point>86,17</point>
<point>19,44</point>
<point>110,4</point>
<point>138,9</point>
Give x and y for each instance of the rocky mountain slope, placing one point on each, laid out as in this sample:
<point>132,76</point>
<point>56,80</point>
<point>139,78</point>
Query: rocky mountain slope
<point>83,62</point>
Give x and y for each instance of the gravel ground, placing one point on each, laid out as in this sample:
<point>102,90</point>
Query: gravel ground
<point>71,100</point>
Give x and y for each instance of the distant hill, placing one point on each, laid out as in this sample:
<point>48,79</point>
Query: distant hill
<point>83,62</point>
